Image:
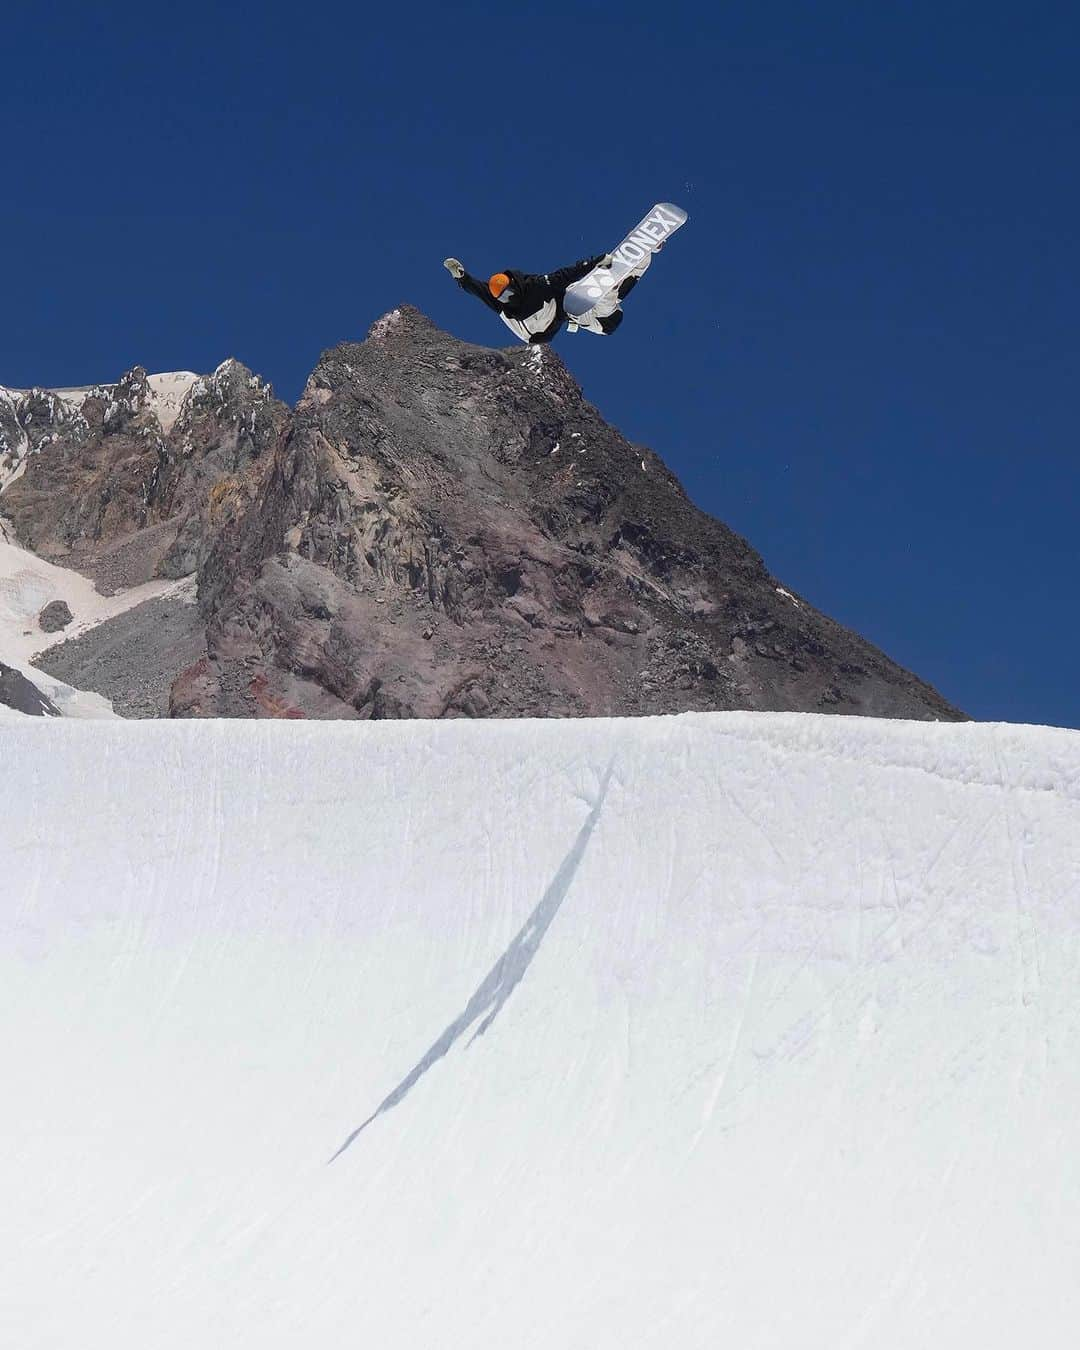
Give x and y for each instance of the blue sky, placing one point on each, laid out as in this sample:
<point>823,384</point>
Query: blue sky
<point>862,352</point>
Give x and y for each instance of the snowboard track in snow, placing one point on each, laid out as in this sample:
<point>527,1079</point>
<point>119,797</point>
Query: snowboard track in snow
<point>506,974</point>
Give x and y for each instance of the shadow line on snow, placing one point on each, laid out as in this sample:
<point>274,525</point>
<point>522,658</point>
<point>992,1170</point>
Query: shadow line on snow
<point>505,975</point>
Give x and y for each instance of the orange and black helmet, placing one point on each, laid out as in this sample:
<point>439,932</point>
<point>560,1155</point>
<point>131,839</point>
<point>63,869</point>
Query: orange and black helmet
<point>498,284</point>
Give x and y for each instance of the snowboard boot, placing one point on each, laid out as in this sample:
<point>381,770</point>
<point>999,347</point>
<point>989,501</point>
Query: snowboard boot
<point>627,285</point>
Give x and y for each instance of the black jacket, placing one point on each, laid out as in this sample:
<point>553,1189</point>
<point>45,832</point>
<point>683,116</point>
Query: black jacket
<point>536,313</point>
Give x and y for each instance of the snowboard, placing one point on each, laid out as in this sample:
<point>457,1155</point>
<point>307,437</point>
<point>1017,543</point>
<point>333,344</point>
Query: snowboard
<point>633,255</point>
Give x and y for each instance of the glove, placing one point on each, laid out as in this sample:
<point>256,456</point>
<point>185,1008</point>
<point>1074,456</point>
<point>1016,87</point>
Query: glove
<point>454,268</point>
<point>606,260</point>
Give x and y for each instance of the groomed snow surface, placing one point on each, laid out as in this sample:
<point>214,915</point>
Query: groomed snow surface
<point>740,1030</point>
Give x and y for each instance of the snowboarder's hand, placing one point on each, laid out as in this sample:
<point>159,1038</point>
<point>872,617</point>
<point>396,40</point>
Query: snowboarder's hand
<point>454,268</point>
<point>606,260</point>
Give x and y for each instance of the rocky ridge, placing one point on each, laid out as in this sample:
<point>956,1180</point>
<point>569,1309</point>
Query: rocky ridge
<point>118,481</point>
<point>437,529</point>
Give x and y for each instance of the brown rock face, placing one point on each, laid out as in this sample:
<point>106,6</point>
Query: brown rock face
<point>445,530</point>
<point>111,486</point>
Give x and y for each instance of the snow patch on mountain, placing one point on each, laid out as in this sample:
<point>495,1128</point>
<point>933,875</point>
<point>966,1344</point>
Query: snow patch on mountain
<point>14,442</point>
<point>76,395</point>
<point>167,394</point>
<point>12,468</point>
<point>28,583</point>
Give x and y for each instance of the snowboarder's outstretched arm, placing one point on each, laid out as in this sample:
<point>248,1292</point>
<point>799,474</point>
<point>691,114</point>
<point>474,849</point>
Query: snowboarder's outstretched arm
<point>470,284</point>
<point>566,276</point>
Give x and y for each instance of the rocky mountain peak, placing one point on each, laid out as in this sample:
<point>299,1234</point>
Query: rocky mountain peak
<point>436,529</point>
<point>445,529</point>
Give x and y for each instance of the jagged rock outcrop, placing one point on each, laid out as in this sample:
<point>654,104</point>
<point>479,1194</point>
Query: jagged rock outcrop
<point>447,530</point>
<point>17,692</point>
<point>122,481</point>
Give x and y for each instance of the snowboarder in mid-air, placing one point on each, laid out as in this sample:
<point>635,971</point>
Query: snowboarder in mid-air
<point>531,304</point>
<point>588,294</point>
